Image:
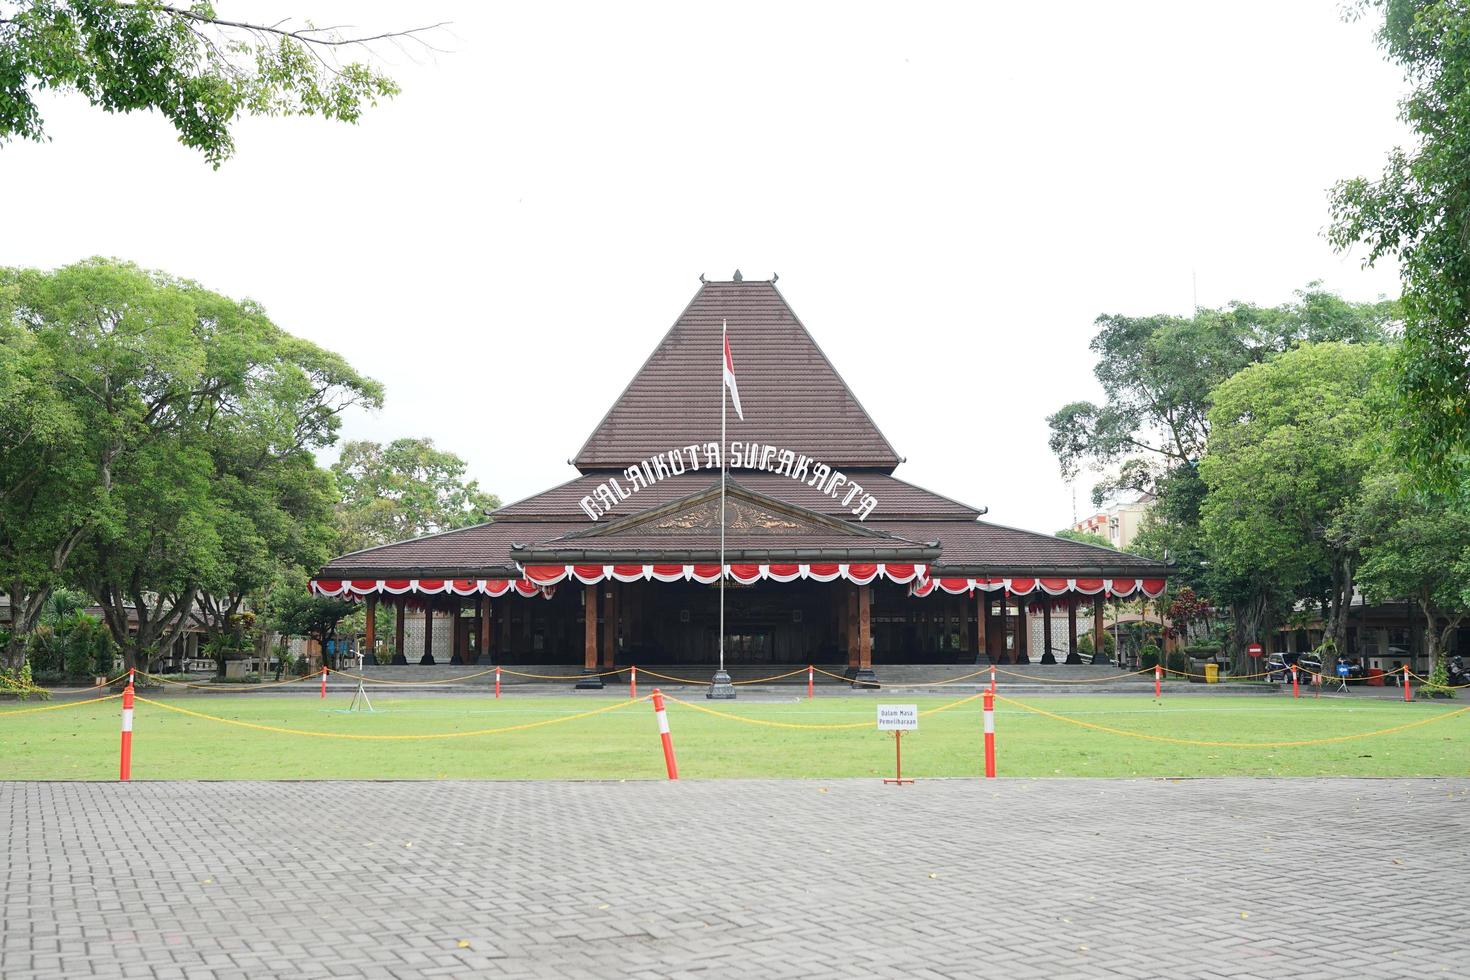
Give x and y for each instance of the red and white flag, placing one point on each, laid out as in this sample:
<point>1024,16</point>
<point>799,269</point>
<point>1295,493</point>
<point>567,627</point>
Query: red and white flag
<point>730,375</point>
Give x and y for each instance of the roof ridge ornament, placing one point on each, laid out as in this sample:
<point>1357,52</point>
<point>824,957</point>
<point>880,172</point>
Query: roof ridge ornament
<point>738,276</point>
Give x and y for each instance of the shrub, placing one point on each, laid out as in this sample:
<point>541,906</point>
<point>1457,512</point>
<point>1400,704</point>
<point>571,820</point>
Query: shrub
<point>1179,662</point>
<point>20,683</point>
<point>1148,657</point>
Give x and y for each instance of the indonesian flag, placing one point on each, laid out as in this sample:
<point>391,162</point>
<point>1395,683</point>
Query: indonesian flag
<point>730,375</point>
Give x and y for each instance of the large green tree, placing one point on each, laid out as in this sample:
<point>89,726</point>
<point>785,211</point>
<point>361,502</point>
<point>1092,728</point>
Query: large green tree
<point>1413,547</point>
<point>1418,211</point>
<point>403,490</point>
<point>198,69</point>
<point>172,402</point>
<point>1157,373</point>
<point>1290,443</point>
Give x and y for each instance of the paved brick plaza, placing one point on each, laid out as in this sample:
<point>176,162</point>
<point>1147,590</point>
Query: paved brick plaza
<point>1051,878</point>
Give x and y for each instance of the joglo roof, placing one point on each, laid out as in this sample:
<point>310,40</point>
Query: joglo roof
<point>810,479</point>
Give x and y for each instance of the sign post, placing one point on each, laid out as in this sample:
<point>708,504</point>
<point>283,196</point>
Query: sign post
<point>898,718</point>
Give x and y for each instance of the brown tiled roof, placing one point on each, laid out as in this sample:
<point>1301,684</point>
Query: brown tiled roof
<point>974,547</point>
<point>895,497</point>
<point>792,396</point>
<point>760,527</point>
<point>482,551</point>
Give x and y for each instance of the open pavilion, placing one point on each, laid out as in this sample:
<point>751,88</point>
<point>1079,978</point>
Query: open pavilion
<point>829,558</point>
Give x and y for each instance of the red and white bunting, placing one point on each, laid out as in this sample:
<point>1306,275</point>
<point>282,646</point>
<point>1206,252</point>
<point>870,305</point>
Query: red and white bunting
<point>858,573</point>
<point>542,579</point>
<point>1119,587</point>
<point>332,588</point>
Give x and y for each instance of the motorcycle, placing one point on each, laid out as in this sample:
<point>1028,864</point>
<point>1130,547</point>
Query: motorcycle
<point>1456,671</point>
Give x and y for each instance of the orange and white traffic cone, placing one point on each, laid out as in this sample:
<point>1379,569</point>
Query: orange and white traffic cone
<point>663,733</point>
<point>125,765</point>
<point>989,704</point>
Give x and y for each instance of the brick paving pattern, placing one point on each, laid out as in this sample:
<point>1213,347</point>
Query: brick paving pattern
<point>947,878</point>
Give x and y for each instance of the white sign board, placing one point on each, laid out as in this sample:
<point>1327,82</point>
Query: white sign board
<point>898,717</point>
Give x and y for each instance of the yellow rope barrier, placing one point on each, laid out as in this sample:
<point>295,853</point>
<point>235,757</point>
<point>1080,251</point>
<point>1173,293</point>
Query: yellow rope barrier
<point>952,680</point>
<point>230,688</point>
<point>1229,745</point>
<point>59,707</point>
<point>1074,680</point>
<point>14,688</point>
<point>773,677</point>
<point>392,738</point>
<point>1442,687</point>
<point>754,680</point>
<point>442,680</point>
<point>563,677</point>
<point>836,726</point>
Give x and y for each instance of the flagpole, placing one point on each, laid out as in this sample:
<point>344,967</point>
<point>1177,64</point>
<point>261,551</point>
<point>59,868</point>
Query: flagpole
<point>720,686</point>
<point>724,339</point>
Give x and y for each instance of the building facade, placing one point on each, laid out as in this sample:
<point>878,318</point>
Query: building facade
<point>829,558</point>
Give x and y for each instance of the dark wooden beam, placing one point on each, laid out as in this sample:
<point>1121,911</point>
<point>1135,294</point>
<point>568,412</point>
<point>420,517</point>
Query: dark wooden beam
<point>398,653</point>
<point>609,625</point>
<point>982,611</point>
<point>428,657</point>
<point>371,629</point>
<point>485,630</point>
<point>1071,624</point>
<point>589,613</point>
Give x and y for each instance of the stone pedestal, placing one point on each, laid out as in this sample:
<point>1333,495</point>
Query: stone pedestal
<point>720,688</point>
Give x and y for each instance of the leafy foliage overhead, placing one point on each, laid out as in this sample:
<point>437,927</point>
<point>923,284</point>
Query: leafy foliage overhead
<point>404,490</point>
<point>1157,373</point>
<point>1418,211</point>
<point>168,450</point>
<point>200,70</point>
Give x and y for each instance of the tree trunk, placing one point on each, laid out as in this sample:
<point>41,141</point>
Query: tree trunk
<point>25,610</point>
<point>1334,628</point>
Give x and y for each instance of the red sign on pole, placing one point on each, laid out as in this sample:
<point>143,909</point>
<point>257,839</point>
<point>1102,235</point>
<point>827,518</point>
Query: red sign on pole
<point>1255,649</point>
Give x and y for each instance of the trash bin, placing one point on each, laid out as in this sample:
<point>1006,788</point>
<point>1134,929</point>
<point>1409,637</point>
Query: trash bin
<point>1375,677</point>
<point>1212,673</point>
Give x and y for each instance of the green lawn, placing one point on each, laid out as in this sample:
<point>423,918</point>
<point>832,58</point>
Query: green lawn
<point>82,742</point>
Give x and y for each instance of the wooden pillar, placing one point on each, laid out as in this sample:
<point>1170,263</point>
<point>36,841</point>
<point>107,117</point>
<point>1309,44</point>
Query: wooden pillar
<point>485,630</point>
<point>1046,625</point>
<point>1023,633</point>
<point>865,627</point>
<point>852,624</point>
<point>589,614</point>
<point>1097,622</point>
<point>982,612</point>
<point>456,640</point>
<point>371,628</point>
<point>428,657</point>
<point>1005,625</point>
<point>398,653</point>
<point>1071,624</point>
<point>610,625</point>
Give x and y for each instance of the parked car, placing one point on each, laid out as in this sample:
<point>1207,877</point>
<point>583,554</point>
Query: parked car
<point>1278,667</point>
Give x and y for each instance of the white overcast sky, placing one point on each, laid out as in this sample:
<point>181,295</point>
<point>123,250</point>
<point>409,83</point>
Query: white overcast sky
<point>950,193</point>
